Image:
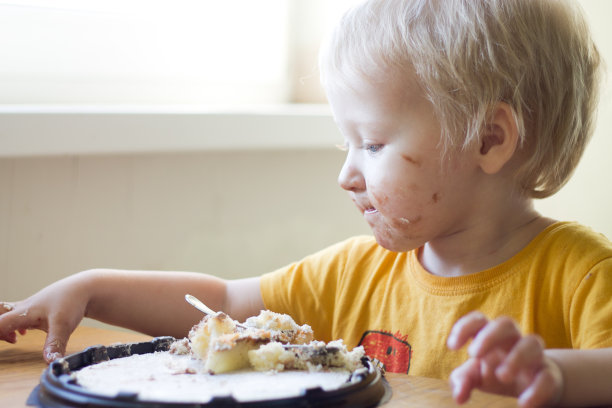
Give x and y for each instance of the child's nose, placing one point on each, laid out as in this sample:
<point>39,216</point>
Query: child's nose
<point>350,177</point>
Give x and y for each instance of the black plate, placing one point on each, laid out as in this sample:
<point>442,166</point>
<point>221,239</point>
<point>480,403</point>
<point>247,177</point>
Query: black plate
<point>58,389</point>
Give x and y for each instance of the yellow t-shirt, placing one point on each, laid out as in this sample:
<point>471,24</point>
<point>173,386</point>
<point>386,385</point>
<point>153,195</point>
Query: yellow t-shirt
<point>559,286</point>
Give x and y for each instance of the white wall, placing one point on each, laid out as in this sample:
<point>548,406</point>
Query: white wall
<point>232,214</point>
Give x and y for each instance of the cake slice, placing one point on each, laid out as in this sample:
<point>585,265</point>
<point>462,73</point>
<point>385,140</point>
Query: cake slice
<point>314,356</point>
<point>223,344</point>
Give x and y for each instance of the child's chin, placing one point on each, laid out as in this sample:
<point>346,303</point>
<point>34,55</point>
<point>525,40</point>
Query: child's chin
<point>391,244</point>
<point>395,243</point>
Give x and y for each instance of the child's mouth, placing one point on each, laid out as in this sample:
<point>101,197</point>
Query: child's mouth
<point>370,210</point>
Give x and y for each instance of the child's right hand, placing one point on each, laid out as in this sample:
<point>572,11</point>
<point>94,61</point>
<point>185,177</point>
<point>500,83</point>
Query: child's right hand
<point>57,309</point>
<point>145,301</point>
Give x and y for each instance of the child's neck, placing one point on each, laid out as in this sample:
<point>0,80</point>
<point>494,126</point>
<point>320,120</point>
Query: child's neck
<point>488,242</point>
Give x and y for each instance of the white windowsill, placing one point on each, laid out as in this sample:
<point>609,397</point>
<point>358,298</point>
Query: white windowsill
<point>76,130</point>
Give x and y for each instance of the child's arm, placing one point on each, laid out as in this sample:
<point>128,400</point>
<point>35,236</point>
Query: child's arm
<point>149,302</point>
<point>505,362</point>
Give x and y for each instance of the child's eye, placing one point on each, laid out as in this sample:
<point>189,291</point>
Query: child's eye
<point>373,148</point>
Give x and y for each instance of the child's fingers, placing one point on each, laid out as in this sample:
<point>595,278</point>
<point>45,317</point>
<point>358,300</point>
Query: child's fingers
<point>490,362</point>
<point>19,319</point>
<point>6,307</point>
<point>464,379</point>
<point>545,390</point>
<point>527,353</point>
<point>56,341</point>
<point>466,328</point>
<point>6,330</point>
<point>501,332</point>
<point>8,327</point>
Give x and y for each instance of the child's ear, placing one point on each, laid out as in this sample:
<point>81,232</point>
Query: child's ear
<point>499,139</point>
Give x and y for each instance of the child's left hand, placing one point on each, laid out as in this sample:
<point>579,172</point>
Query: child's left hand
<point>503,361</point>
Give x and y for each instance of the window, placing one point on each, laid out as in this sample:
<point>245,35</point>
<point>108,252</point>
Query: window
<point>230,52</point>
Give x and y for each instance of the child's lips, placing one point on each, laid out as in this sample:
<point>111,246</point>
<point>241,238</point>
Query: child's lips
<point>364,206</point>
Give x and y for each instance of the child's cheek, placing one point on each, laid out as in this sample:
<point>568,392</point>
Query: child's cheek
<point>399,206</point>
<point>381,199</point>
<point>398,193</point>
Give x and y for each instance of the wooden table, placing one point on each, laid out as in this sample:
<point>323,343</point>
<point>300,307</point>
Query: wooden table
<point>21,366</point>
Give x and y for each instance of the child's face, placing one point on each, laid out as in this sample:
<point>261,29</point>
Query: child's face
<point>393,169</point>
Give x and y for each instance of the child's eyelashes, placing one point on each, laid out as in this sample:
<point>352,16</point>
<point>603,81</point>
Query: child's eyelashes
<point>370,148</point>
<point>373,148</point>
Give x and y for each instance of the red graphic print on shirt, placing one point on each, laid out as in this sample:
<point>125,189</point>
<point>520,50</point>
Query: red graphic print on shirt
<point>391,350</point>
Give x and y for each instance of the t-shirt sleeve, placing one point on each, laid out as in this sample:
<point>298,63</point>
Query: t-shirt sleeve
<point>307,290</point>
<point>591,309</point>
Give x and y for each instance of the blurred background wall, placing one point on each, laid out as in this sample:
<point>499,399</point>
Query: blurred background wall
<point>232,214</point>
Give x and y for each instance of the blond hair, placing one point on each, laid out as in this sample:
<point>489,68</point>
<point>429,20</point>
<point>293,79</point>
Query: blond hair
<point>468,55</point>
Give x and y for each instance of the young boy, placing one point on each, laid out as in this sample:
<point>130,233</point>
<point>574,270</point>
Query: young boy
<point>456,114</point>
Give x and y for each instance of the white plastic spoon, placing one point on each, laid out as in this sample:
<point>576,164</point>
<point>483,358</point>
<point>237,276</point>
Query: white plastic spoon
<point>198,304</point>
